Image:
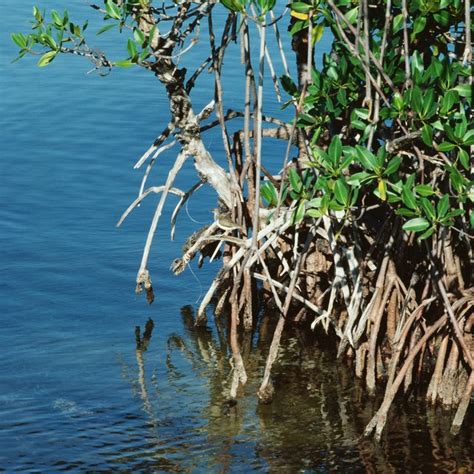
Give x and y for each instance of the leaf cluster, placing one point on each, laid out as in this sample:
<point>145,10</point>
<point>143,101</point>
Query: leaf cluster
<point>406,149</point>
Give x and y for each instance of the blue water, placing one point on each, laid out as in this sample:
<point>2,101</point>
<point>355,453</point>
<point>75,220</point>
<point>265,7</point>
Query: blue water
<point>75,393</point>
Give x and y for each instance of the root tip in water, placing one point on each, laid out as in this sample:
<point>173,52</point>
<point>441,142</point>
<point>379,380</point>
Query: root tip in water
<point>265,394</point>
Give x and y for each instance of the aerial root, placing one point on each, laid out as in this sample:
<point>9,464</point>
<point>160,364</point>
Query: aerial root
<point>377,423</point>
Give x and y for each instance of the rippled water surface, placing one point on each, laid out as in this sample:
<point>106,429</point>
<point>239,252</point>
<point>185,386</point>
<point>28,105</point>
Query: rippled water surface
<point>81,387</point>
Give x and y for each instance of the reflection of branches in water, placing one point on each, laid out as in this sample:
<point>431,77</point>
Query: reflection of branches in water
<point>155,444</point>
<point>316,418</point>
<point>199,349</point>
<point>142,343</point>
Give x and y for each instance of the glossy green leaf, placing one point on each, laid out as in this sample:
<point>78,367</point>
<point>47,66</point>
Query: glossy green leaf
<point>341,191</point>
<point>20,40</point>
<point>335,149</point>
<point>132,49</point>
<point>468,138</point>
<point>416,225</point>
<point>366,157</point>
<point>463,156</point>
<point>139,36</point>
<point>393,165</point>
<point>398,101</point>
<point>358,178</point>
<point>428,208</point>
<point>47,58</point>
<point>316,213</point>
<point>408,198</point>
<point>113,10</point>
<point>419,25</point>
<point>398,23</point>
<point>424,190</point>
<point>442,207</point>
<point>58,21</point>
<point>446,146</point>
<point>464,90</point>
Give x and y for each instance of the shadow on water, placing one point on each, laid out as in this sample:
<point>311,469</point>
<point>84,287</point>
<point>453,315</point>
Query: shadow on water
<point>314,423</point>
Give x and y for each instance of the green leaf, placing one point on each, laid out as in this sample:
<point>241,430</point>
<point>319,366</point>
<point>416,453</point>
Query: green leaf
<point>298,215</point>
<point>113,10</point>
<point>428,208</point>
<point>468,138</point>
<point>426,234</point>
<point>405,212</point>
<point>393,166</point>
<point>446,146</point>
<point>295,180</point>
<point>105,28</point>
<point>416,225</point>
<point>456,178</point>
<point>408,198</point>
<point>464,90</point>
<point>49,40</point>
<point>316,213</point>
<point>362,113</point>
<point>47,58</point>
<point>471,219</point>
<point>424,190</point>
<point>269,192</point>
<point>58,21</point>
<point>20,40</point>
<point>358,124</point>
<point>428,101</point>
<point>419,25</point>
<point>125,63</point>
<point>417,100</point>
<point>358,178</point>
<point>455,213</point>
<point>464,158</point>
<point>417,63</point>
<point>300,7</point>
<point>139,36</point>
<point>398,101</point>
<point>449,99</point>
<point>427,135</point>
<point>366,157</point>
<point>351,15</point>
<point>442,207</point>
<point>355,196</point>
<point>382,189</point>
<point>37,14</point>
<point>335,149</point>
<point>398,23</point>
<point>132,50</point>
<point>315,202</point>
<point>341,191</point>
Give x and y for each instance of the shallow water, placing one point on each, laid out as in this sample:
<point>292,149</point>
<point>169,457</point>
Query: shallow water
<point>76,393</point>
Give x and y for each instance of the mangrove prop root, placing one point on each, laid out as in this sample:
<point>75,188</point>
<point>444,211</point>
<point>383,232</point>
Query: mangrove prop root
<point>380,418</point>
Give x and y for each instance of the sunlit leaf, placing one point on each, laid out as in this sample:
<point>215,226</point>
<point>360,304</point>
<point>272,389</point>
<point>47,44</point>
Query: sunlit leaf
<point>416,225</point>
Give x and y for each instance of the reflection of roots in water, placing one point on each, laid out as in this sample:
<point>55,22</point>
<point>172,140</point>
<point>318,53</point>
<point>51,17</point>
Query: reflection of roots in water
<point>317,406</point>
